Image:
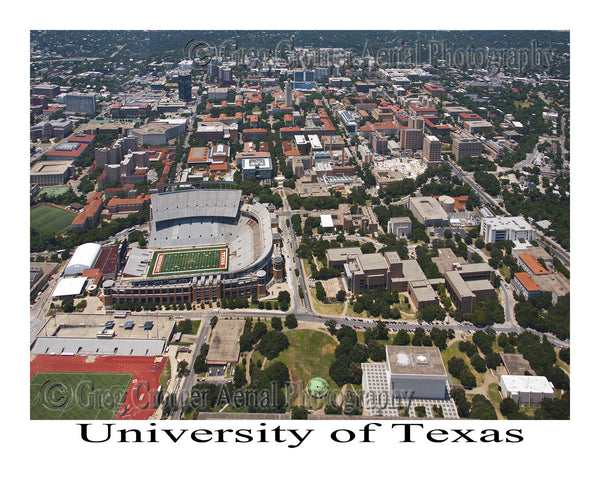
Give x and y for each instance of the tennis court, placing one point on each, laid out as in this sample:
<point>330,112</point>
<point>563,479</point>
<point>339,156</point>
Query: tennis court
<point>173,262</point>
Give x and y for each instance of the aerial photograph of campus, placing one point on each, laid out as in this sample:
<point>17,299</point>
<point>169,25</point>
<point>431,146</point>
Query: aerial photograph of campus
<point>299,224</point>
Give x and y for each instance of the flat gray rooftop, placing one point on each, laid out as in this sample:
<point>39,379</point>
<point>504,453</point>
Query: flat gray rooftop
<point>103,346</point>
<point>341,254</point>
<point>403,360</point>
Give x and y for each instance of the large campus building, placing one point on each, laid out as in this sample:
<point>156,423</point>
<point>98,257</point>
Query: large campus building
<point>428,211</point>
<point>198,223</point>
<point>516,229</point>
<point>409,376</point>
<point>370,271</point>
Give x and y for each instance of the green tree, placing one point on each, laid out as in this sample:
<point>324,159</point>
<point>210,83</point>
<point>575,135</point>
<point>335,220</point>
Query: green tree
<point>278,372</point>
<point>290,321</point>
<point>299,413</point>
<point>402,338</point>
<point>239,376</point>
<point>185,326</point>
<point>276,324</point>
<point>272,343</point>
<point>508,407</point>
<point>182,367</point>
<point>376,351</point>
<point>321,294</point>
<point>478,363</point>
<point>67,305</point>
<point>482,408</point>
<point>259,330</point>
<point>331,325</point>
<point>284,300</point>
<point>468,379</point>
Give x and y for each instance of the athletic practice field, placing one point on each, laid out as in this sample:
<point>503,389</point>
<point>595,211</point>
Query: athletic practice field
<point>55,191</point>
<point>77,395</point>
<point>47,218</point>
<point>173,262</point>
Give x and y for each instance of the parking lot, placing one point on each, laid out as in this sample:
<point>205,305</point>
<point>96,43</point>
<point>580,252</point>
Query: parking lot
<point>217,371</point>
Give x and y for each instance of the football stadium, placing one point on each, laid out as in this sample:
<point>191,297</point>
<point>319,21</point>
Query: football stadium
<point>204,245</point>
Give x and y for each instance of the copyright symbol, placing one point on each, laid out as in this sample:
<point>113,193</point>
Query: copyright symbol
<point>56,396</point>
<point>200,52</point>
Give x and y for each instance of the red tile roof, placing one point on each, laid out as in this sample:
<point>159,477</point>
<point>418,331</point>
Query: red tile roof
<point>527,282</point>
<point>533,264</point>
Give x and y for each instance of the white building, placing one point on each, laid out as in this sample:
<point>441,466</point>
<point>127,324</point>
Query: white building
<point>497,229</point>
<point>399,226</point>
<point>416,369</point>
<point>84,257</point>
<point>526,389</point>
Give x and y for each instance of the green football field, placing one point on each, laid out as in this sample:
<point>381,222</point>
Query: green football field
<point>46,218</point>
<point>173,262</point>
<point>77,395</point>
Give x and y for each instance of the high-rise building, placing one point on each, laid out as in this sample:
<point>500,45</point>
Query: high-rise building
<point>289,98</point>
<point>432,150</point>
<point>411,139</point>
<point>185,87</point>
<point>466,146</point>
<point>224,76</point>
<point>416,123</point>
<point>80,102</point>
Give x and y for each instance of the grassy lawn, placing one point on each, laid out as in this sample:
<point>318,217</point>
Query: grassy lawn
<point>495,397</point>
<point>165,376</point>
<point>565,366</point>
<point>195,326</point>
<point>309,355</point>
<point>361,338</point>
<point>257,358</point>
<point>404,307</point>
<point>47,218</point>
<point>68,395</point>
<point>335,308</point>
<point>505,272</point>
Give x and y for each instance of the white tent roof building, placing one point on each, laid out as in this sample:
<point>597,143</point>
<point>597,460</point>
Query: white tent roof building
<point>83,259</point>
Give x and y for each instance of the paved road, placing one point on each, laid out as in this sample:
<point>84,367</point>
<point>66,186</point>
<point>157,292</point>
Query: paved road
<point>187,382</point>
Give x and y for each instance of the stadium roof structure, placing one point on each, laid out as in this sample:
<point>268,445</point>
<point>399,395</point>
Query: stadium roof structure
<point>195,203</point>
